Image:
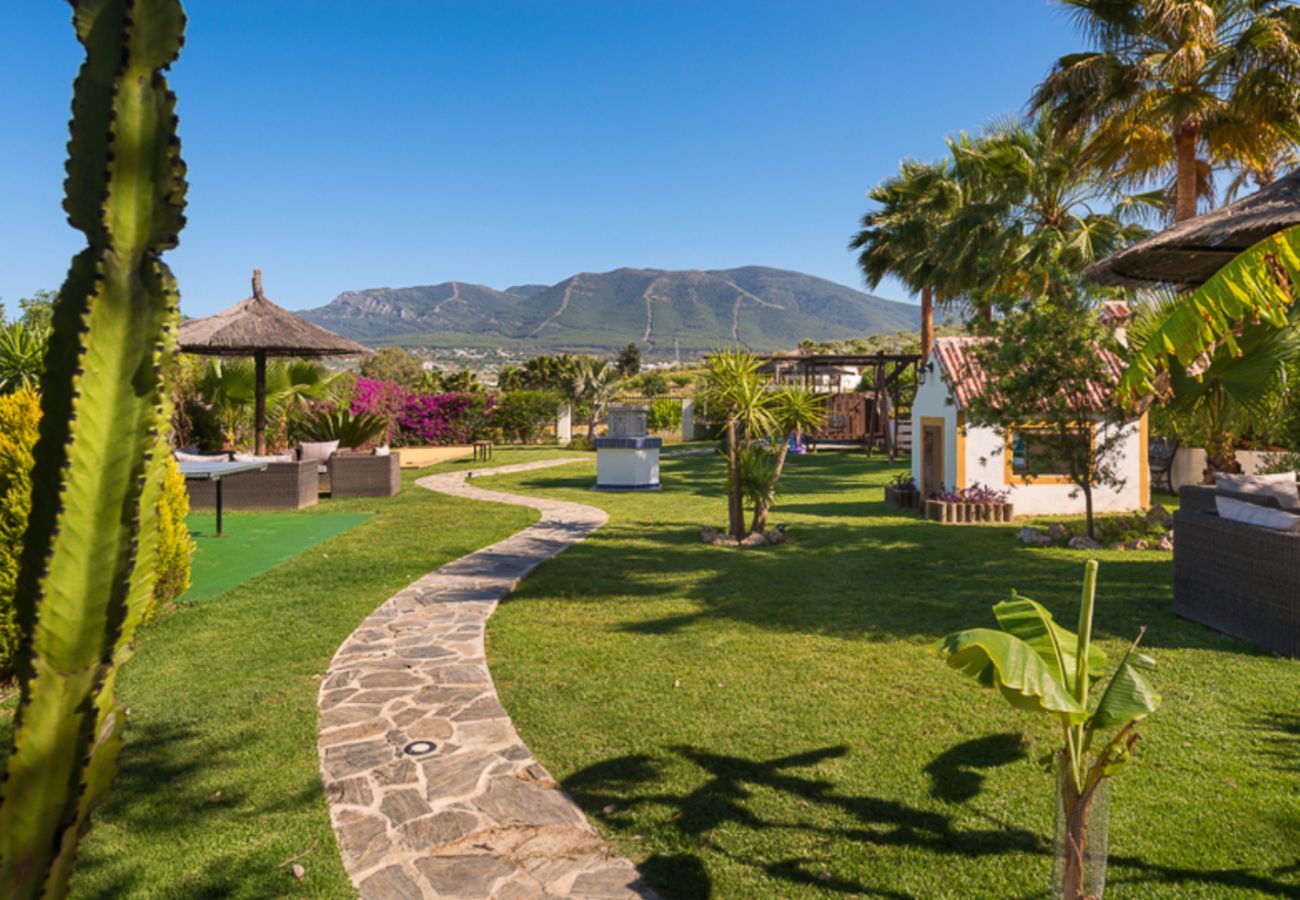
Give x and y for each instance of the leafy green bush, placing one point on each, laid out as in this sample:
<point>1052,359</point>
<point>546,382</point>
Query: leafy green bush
<point>175,546</point>
<point>522,415</point>
<point>20,416</point>
<point>664,415</point>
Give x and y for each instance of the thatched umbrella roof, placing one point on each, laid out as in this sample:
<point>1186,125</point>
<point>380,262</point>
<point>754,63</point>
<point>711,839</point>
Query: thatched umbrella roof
<point>257,325</point>
<point>1188,254</point>
<point>258,328</point>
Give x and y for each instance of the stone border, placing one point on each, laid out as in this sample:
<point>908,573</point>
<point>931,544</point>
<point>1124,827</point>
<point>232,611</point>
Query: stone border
<point>431,792</point>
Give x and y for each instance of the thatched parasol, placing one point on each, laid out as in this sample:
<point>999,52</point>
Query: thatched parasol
<point>258,328</point>
<point>1187,255</point>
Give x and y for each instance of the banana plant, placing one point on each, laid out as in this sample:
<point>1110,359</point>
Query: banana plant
<point>86,571</point>
<point>1038,666</point>
<point>1258,287</point>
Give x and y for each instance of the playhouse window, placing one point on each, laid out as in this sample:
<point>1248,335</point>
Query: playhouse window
<point>1031,453</point>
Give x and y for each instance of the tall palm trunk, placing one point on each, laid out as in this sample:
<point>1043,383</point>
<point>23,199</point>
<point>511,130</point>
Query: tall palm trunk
<point>762,508</point>
<point>1185,179</point>
<point>927,324</point>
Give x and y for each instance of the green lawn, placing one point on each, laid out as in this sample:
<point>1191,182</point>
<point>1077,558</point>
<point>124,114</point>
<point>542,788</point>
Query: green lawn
<point>767,723</point>
<point>813,746</point>
<point>219,781</point>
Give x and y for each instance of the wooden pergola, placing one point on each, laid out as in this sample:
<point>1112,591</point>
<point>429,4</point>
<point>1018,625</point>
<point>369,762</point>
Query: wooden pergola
<point>884,371</point>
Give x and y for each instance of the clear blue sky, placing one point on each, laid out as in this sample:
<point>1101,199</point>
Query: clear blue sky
<point>344,144</point>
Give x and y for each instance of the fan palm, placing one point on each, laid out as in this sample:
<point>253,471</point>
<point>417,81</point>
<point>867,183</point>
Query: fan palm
<point>229,387</point>
<point>1177,86</point>
<point>594,382</point>
<point>900,236</point>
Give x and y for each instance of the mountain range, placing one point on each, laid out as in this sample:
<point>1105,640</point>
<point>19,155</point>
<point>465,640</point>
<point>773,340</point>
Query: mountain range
<point>665,312</point>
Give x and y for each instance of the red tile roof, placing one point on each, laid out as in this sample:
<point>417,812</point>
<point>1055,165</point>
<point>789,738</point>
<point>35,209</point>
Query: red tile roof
<point>965,376</point>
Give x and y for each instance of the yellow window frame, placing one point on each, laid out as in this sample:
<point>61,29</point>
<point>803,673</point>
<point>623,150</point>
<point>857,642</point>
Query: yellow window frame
<point>1008,456</point>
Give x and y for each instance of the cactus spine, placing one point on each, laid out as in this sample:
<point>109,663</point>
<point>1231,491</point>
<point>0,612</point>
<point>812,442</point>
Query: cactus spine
<point>98,463</point>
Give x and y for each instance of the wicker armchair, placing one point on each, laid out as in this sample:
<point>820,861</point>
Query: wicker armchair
<point>364,475</point>
<point>282,485</point>
<point>1240,579</point>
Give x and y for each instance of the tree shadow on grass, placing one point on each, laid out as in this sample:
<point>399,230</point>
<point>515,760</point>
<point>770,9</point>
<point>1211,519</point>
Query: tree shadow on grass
<point>159,793</point>
<point>722,799</point>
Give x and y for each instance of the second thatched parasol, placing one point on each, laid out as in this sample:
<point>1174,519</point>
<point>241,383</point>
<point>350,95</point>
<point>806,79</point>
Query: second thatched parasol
<point>258,328</point>
<point>1187,255</point>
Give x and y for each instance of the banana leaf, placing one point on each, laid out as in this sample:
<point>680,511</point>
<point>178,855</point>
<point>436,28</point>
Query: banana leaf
<point>1128,697</point>
<point>1001,660</point>
<point>1029,621</point>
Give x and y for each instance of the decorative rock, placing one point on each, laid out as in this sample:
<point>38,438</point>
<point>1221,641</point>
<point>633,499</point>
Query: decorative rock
<point>1083,542</point>
<point>473,814</point>
<point>1034,537</point>
<point>1159,517</point>
<point>1166,543</point>
<point>1058,532</point>
<point>1138,544</point>
<point>756,539</point>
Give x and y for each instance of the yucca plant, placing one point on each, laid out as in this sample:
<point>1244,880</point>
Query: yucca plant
<point>22,355</point>
<point>1040,667</point>
<point>350,429</point>
<point>87,569</point>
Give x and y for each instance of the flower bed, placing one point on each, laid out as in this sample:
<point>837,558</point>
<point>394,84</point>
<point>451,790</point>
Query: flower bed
<point>964,506</point>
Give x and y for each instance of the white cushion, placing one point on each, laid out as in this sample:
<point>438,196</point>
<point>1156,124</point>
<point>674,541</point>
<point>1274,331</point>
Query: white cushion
<point>1281,486</point>
<point>382,451</point>
<point>182,456</point>
<point>270,458</point>
<point>1254,514</point>
<point>321,450</point>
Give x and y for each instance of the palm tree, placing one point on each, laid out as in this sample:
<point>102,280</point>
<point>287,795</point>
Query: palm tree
<point>795,411</point>
<point>594,382</point>
<point>734,391</point>
<point>1030,201</point>
<point>900,236</point>
<point>229,387</point>
<point>22,354</point>
<point>1178,85</point>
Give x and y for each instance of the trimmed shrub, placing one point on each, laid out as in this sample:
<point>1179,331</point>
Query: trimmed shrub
<point>20,416</point>
<point>175,546</point>
<point>523,415</point>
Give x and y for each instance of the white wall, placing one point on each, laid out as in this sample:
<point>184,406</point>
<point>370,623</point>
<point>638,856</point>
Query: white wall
<point>1189,464</point>
<point>986,464</point>
<point>932,401</point>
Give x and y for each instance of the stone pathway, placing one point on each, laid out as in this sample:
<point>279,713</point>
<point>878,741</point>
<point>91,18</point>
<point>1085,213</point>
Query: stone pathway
<point>431,792</point>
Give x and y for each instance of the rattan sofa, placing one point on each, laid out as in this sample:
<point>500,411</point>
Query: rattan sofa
<point>1243,580</point>
<point>282,485</point>
<point>364,475</point>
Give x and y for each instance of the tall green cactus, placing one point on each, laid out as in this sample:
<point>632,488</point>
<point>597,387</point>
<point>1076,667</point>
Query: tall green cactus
<point>98,463</point>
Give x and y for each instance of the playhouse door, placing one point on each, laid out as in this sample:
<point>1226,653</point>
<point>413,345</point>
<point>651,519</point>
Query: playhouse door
<point>931,458</point>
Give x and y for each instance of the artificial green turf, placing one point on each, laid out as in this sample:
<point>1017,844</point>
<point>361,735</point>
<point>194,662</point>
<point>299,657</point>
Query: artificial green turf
<point>251,543</point>
<point>771,722</point>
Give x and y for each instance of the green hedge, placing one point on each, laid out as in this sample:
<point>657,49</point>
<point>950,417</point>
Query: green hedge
<point>20,416</point>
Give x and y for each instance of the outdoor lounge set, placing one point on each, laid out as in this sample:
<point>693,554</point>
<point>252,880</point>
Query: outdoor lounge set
<point>295,480</point>
<point>1237,559</point>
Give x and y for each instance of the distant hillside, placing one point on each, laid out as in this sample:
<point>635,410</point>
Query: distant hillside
<point>761,308</point>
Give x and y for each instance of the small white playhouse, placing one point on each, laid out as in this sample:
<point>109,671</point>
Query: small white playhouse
<point>949,453</point>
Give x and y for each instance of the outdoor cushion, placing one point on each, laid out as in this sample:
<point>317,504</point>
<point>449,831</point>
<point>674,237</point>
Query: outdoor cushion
<point>320,451</point>
<point>269,458</point>
<point>182,456</point>
<point>1281,486</point>
<point>1253,514</point>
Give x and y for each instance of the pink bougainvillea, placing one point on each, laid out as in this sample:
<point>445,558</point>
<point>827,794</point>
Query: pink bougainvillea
<point>416,418</point>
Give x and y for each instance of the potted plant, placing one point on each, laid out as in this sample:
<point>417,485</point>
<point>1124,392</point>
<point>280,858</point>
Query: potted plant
<point>901,492</point>
<point>1040,667</point>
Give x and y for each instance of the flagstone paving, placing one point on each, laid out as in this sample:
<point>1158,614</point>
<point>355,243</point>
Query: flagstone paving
<point>431,792</point>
